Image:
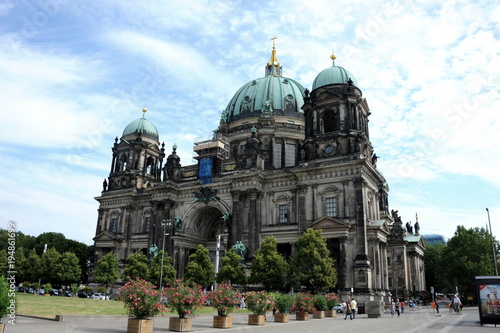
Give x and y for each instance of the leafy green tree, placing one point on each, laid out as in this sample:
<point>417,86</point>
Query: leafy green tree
<point>4,262</point>
<point>467,254</point>
<point>136,266</point>
<point>68,269</point>
<point>312,265</point>
<point>200,269</point>
<point>107,270</point>
<point>75,288</point>
<point>232,271</point>
<point>20,258</point>
<point>169,273</point>
<point>48,264</point>
<point>434,266</point>
<point>269,267</point>
<point>31,266</point>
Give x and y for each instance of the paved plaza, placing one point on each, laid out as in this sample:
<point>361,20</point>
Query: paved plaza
<point>411,321</point>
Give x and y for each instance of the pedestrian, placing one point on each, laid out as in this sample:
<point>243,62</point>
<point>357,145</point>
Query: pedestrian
<point>437,305</point>
<point>398,307</point>
<point>458,303</point>
<point>354,308</point>
<point>403,305</point>
<point>393,308</point>
<point>348,310</point>
<point>433,306</point>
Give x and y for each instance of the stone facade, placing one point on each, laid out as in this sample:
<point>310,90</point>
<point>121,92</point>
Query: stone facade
<point>274,169</point>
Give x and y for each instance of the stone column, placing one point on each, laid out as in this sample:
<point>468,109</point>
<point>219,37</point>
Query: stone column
<point>252,224</point>
<point>301,206</point>
<point>236,233</point>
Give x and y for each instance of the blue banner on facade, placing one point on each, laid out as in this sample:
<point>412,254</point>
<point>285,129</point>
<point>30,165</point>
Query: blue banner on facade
<point>205,171</point>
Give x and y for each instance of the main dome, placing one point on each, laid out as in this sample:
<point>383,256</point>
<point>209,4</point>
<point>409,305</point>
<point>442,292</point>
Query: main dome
<point>143,126</point>
<point>334,75</point>
<point>273,94</point>
<point>270,95</point>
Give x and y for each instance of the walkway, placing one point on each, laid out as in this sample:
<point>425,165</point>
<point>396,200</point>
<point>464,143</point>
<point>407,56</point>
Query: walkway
<point>411,321</point>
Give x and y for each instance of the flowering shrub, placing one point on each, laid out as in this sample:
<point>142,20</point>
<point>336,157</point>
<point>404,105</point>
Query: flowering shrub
<point>332,299</point>
<point>304,303</point>
<point>259,302</point>
<point>320,303</point>
<point>284,302</point>
<point>184,299</point>
<point>224,299</point>
<point>141,299</point>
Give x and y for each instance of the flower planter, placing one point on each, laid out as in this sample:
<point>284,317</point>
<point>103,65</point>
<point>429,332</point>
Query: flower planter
<point>331,313</point>
<point>256,319</point>
<point>223,322</point>
<point>319,315</point>
<point>302,316</point>
<point>281,317</point>
<point>140,325</point>
<point>180,324</point>
<point>2,326</point>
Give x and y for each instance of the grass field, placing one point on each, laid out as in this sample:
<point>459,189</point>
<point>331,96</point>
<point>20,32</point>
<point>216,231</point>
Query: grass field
<point>50,306</point>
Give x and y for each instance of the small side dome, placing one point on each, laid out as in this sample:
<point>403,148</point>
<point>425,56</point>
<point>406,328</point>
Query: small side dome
<point>143,126</point>
<point>334,75</point>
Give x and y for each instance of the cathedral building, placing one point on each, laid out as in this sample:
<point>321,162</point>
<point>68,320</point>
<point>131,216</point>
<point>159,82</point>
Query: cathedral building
<point>283,159</point>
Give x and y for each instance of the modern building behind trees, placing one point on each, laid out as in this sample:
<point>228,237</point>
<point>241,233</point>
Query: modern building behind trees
<point>283,159</point>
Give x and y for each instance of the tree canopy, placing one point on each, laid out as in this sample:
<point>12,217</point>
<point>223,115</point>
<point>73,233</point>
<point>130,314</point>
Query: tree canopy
<point>200,269</point>
<point>269,267</point>
<point>232,271</point>
<point>136,267</point>
<point>154,271</point>
<point>312,265</point>
<point>107,270</point>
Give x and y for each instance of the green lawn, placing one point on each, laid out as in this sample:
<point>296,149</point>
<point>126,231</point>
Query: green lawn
<point>49,306</point>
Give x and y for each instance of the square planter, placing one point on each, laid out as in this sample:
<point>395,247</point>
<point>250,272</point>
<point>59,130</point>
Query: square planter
<point>302,316</point>
<point>139,325</point>
<point>319,315</point>
<point>331,313</point>
<point>180,324</point>
<point>256,319</point>
<point>281,317</point>
<point>223,322</point>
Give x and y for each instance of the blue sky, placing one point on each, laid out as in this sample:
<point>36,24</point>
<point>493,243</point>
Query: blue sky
<point>73,74</point>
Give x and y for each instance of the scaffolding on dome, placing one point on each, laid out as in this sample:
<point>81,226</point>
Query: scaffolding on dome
<point>211,146</point>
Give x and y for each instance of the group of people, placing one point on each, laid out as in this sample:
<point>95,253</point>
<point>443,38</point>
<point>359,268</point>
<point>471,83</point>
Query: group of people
<point>350,308</point>
<point>397,307</point>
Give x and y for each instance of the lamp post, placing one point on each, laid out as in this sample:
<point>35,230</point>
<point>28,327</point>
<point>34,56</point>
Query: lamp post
<point>492,244</point>
<point>165,225</point>
<point>217,253</point>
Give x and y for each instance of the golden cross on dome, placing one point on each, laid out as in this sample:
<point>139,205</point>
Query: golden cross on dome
<point>274,41</point>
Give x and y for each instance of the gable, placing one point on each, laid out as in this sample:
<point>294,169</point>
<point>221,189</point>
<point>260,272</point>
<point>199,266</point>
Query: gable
<point>328,223</point>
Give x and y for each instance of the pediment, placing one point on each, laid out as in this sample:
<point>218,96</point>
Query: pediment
<point>105,236</point>
<point>328,223</point>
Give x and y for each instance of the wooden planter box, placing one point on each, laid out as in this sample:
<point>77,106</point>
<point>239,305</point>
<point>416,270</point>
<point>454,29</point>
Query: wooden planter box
<point>223,322</point>
<point>256,319</point>
<point>281,317</point>
<point>331,313</point>
<point>299,316</point>
<point>2,326</point>
<point>319,315</point>
<point>180,324</point>
<point>140,325</point>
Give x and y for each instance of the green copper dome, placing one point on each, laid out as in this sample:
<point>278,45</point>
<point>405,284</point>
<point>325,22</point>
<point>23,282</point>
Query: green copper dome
<point>333,75</point>
<point>143,126</point>
<point>273,95</point>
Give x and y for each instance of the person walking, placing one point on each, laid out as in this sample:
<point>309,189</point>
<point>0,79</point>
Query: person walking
<point>348,310</point>
<point>354,308</point>
<point>398,307</point>
<point>403,305</point>
<point>437,305</point>
<point>393,308</point>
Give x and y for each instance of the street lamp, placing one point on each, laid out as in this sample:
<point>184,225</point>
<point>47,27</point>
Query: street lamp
<point>492,244</point>
<point>165,225</point>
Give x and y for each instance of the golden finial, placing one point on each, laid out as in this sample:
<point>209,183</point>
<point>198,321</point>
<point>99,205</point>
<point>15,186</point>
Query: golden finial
<point>333,57</point>
<point>144,110</point>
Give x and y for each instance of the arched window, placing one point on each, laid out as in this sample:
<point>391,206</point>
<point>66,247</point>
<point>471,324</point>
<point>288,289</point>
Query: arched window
<point>329,121</point>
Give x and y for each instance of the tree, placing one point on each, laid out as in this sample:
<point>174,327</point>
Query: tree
<point>232,271</point>
<point>48,263</point>
<point>154,271</point>
<point>434,265</point>
<point>68,269</point>
<point>269,267</point>
<point>200,269</point>
<point>312,265</point>
<point>31,266</point>
<point>467,254</point>
<point>136,266</point>
<point>107,270</point>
